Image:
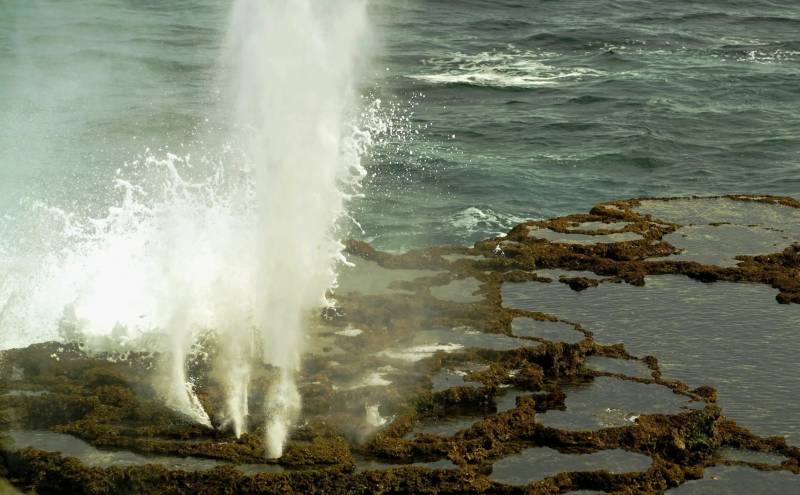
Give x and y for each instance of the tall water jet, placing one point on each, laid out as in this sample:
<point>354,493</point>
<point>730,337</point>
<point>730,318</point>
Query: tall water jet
<point>295,63</point>
<point>238,249</point>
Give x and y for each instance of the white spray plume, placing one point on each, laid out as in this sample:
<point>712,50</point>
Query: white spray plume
<point>246,252</point>
<point>296,62</point>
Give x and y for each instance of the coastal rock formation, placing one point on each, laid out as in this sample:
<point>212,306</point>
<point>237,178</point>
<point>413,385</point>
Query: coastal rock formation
<point>437,371</point>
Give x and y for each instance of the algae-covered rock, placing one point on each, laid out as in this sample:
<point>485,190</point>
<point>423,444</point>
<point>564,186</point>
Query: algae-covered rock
<point>372,386</point>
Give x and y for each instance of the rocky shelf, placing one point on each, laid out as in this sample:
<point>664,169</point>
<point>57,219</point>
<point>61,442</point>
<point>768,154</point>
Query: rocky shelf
<point>643,347</point>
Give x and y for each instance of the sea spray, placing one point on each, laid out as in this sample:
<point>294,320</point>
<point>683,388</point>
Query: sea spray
<point>295,85</point>
<point>234,246</point>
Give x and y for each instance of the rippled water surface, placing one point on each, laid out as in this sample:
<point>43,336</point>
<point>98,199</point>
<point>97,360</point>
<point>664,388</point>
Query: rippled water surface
<point>735,337</point>
<point>737,480</point>
<point>504,110</point>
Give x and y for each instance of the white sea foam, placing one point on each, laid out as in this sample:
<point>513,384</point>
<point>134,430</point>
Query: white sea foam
<point>420,352</point>
<point>769,56</point>
<point>350,332</point>
<point>473,219</point>
<point>374,418</point>
<point>512,68</point>
<point>375,379</point>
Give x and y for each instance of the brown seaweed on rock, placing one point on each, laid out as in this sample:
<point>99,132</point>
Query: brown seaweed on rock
<point>112,404</point>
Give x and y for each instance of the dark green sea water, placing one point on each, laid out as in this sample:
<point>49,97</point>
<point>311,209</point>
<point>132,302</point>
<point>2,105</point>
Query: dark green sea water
<point>556,105</point>
<point>510,109</point>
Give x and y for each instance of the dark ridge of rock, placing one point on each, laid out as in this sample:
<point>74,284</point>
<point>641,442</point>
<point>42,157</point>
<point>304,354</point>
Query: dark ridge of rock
<point>579,283</point>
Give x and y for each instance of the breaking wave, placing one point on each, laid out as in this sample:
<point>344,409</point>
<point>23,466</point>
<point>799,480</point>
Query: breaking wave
<point>503,69</point>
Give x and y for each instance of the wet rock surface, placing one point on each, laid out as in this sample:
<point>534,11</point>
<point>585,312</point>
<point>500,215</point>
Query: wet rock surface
<point>525,364</point>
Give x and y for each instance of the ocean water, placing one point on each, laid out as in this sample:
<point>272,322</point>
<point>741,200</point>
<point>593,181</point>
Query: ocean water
<point>540,108</point>
<point>500,110</point>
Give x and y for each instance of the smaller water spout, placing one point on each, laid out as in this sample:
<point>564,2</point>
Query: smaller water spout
<point>179,391</point>
<point>283,407</point>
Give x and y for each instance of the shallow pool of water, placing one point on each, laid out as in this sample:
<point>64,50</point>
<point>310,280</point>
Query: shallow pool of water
<point>369,278</point>
<point>752,456</point>
<point>554,331</point>
<point>70,446</point>
<point>720,244</point>
<point>607,402</point>
<point>426,343</point>
<point>570,238</point>
<point>703,211</point>
<point>460,291</point>
<point>537,463</point>
<point>454,377</point>
<point>740,480</point>
<point>732,336</point>
<point>446,426</point>
<point>611,226</point>
<point>628,367</point>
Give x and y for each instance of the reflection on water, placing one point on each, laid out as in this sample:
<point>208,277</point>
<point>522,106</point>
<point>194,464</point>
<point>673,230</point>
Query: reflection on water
<point>751,456</point>
<point>369,278</point>
<point>554,331</point>
<point>735,337</point>
<point>626,367</point>
<point>449,378</point>
<point>70,446</point>
<point>704,211</point>
<point>740,480</point>
<point>720,244</point>
<point>460,291</point>
<point>538,463</point>
<point>446,426</point>
<point>553,236</point>
<point>426,343</point>
<point>608,402</point>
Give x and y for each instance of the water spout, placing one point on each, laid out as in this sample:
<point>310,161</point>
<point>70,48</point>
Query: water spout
<point>295,63</point>
<point>242,248</point>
